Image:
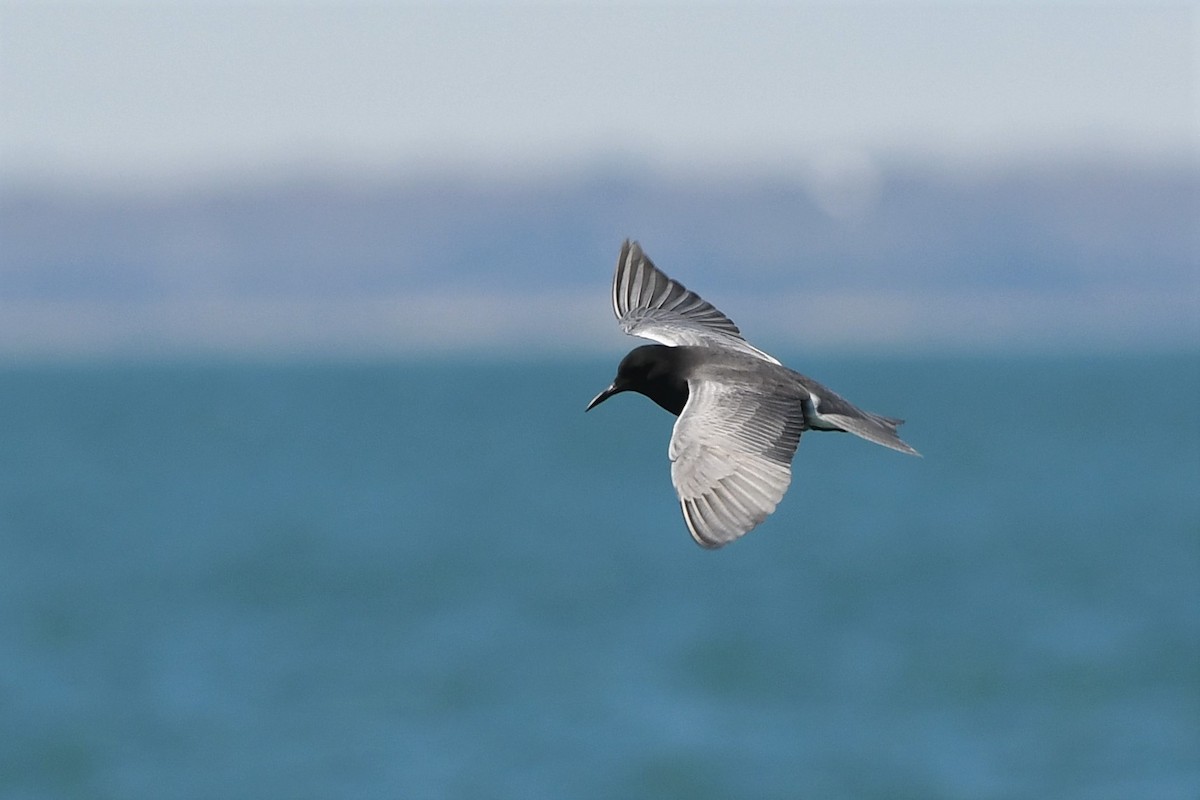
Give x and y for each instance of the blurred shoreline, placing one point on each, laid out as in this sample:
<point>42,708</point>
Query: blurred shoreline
<point>844,254</point>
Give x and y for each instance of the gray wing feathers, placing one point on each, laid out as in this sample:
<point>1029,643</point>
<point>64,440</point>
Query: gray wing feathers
<point>735,504</point>
<point>731,454</point>
<point>651,305</point>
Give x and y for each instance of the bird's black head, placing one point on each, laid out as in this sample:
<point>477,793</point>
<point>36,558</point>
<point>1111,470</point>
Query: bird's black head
<point>653,370</point>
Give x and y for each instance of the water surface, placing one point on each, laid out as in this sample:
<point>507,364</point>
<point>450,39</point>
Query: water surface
<point>444,580</point>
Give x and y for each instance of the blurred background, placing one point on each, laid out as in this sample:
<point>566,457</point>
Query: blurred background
<point>300,305</point>
<point>342,178</point>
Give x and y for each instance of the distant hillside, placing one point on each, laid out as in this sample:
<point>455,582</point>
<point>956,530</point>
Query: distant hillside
<point>896,238</point>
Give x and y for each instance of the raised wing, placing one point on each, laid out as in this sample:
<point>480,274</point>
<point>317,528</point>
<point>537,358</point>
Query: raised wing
<point>731,454</point>
<point>651,305</point>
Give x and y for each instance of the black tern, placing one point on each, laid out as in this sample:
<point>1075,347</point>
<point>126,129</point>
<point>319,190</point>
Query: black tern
<point>741,412</point>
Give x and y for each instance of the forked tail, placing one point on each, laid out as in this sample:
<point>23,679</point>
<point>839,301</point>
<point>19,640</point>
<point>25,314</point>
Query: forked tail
<point>825,410</point>
<point>873,428</point>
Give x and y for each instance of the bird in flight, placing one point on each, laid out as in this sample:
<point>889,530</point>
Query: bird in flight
<point>741,412</point>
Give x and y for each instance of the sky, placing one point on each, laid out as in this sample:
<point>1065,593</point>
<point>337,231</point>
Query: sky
<point>103,90</point>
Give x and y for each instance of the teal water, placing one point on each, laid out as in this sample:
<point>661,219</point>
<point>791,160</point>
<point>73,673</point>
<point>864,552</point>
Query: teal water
<point>444,580</point>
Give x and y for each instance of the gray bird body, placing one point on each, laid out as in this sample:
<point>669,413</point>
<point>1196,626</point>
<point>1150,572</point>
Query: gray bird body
<point>741,413</point>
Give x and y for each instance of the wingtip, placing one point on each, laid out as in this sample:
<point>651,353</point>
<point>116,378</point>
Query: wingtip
<point>705,542</point>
